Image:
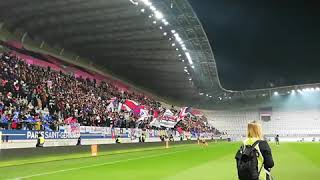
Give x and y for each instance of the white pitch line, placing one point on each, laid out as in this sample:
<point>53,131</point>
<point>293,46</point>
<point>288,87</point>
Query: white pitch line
<point>94,165</point>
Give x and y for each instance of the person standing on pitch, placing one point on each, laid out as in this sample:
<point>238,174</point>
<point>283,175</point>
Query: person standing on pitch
<point>118,140</point>
<point>79,141</point>
<point>254,158</point>
<point>277,139</point>
<point>40,141</point>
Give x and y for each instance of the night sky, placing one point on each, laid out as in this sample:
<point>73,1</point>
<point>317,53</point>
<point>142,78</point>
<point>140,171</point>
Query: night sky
<point>258,42</point>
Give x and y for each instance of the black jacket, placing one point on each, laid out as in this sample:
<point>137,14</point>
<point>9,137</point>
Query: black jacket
<point>267,154</point>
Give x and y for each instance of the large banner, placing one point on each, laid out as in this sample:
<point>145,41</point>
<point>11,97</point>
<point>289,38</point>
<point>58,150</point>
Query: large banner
<point>28,135</point>
<point>94,130</point>
<point>168,119</point>
<point>73,130</point>
<point>88,132</point>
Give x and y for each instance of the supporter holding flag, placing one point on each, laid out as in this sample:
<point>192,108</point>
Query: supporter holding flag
<point>1,108</point>
<point>129,105</point>
<point>47,118</point>
<point>144,114</point>
<point>184,112</point>
<point>30,119</point>
<point>4,121</point>
<point>46,127</point>
<point>15,117</point>
<point>70,120</point>
<point>113,104</point>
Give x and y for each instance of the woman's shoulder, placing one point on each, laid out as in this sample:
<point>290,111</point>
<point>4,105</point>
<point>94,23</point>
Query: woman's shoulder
<point>264,145</point>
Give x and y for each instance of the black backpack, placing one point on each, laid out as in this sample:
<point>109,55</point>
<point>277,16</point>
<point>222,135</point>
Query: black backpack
<point>247,162</point>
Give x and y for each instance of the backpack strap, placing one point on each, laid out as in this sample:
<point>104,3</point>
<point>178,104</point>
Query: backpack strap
<point>261,168</point>
<point>256,143</point>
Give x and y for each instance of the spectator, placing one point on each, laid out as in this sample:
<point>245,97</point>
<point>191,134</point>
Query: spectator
<point>36,98</point>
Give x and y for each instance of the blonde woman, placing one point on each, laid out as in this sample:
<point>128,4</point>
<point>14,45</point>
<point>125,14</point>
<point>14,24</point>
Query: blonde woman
<point>254,159</point>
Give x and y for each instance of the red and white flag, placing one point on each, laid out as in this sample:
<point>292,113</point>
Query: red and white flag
<point>129,105</point>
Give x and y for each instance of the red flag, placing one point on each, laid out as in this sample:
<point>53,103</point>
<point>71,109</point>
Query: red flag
<point>129,104</point>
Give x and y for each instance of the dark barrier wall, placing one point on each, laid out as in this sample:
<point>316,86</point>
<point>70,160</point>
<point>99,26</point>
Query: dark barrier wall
<point>12,154</point>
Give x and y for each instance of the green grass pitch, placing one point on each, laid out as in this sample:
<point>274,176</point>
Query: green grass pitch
<point>293,161</point>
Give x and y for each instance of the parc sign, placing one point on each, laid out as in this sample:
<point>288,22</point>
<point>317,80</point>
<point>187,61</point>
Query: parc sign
<point>71,131</point>
<point>51,135</point>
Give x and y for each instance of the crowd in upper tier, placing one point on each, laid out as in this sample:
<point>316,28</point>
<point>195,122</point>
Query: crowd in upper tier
<point>37,98</point>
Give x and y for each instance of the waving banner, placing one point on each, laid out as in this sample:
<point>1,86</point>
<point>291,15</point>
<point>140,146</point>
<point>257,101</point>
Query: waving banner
<point>168,119</point>
<point>129,105</point>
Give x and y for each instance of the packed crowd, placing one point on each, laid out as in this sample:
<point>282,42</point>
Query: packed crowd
<point>36,98</point>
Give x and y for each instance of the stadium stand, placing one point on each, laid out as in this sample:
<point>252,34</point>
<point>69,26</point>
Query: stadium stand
<point>39,95</point>
<point>286,122</point>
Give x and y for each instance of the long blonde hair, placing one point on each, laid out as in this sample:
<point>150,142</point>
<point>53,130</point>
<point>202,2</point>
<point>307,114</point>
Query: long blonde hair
<point>255,130</point>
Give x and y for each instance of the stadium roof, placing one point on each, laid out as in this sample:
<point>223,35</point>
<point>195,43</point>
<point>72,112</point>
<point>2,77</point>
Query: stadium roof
<point>160,46</point>
<point>145,43</point>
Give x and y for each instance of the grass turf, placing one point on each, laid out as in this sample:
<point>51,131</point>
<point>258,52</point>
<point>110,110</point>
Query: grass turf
<point>293,161</point>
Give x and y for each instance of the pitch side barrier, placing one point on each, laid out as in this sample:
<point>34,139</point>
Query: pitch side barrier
<point>25,153</point>
<point>68,136</point>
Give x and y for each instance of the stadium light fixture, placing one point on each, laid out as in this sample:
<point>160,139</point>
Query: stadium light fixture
<point>276,93</point>
<point>154,9</point>
<point>158,15</point>
<point>134,2</point>
<point>189,58</point>
<point>165,22</point>
<point>317,89</point>
<point>178,38</point>
<point>147,2</point>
